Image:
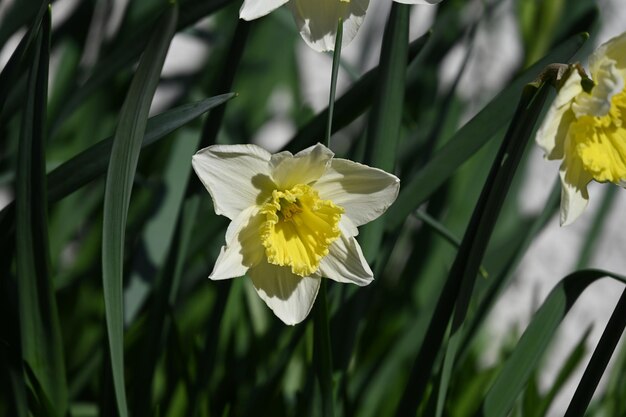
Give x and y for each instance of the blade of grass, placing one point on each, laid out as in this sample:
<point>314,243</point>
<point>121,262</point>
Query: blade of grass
<point>383,130</point>
<point>535,340</point>
<point>459,286</point>
<point>599,360</point>
<point>120,176</point>
<point>571,363</point>
<point>92,162</point>
<point>470,138</point>
<point>505,167</point>
<point>165,293</point>
<point>42,348</point>
<point>500,281</point>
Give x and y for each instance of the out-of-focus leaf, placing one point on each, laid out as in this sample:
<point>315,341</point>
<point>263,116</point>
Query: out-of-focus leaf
<point>92,162</point>
<point>471,137</point>
<point>120,176</point>
<point>42,348</point>
<point>11,70</point>
<point>457,292</point>
<point>572,361</point>
<point>533,343</point>
<point>383,129</point>
<point>130,48</point>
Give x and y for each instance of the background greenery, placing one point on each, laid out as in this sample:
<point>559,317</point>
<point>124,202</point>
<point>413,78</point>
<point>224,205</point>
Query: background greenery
<point>108,240</point>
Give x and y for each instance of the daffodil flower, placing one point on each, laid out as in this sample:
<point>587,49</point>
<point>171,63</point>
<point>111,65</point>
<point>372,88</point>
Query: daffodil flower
<point>586,127</point>
<point>317,19</point>
<point>294,219</point>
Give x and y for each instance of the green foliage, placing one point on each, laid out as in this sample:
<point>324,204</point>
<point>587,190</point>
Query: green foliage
<point>105,244</point>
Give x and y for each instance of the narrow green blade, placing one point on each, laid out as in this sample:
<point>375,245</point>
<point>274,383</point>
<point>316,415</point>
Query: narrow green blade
<point>471,137</point>
<point>120,176</point>
<point>386,114</point>
<point>535,340</point>
<point>11,70</point>
<point>92,162</point>
<point>599,360</point>
<point>42,348</point>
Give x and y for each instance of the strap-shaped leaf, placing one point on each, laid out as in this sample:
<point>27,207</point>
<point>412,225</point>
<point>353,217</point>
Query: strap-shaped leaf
<point>535,340</point>
<point>11,70</point>
<point>471,137</point>
<point>92,162</point>
<point>42,348</point>
<point>383,129</point>
<point>124,156</point>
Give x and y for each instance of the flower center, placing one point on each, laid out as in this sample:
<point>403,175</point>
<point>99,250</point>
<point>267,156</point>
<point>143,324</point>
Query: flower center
<point>600,142</point>
<point>298,229</point>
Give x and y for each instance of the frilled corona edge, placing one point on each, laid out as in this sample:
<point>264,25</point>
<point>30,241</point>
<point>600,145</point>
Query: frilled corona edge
<point>294,219</point>
<point>585,127</point>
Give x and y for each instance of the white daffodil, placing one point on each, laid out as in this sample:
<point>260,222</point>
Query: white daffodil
<point>317,19</point>
<point>586,127</point>
<point>293,219</point>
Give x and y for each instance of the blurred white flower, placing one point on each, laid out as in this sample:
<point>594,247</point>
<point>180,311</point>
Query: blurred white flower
<point>586,127</point>
<point>317,19</point>
<point>293,219</point>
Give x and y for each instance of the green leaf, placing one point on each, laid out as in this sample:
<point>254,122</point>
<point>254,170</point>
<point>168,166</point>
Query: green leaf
<point>383,129</point>
<point>574,359</point>
<point>12,70</point>
<point>457,292</point>
<point>42,348</point>
<point>165,293</point>
<point>130,48</point>
<point>535,340</point>
<point>599,360</point>
<point>92,162</point>
<point>120,176</point>
<point>470,138</point>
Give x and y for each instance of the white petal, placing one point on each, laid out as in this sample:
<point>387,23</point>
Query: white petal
<point>303,168</point>
<point>364,192</point>
<point>345,263</point>
<point>317,20</point>
<point>612,50</point>
<point>236,176</point>
<point>289,296</point>
<point>553,130</point>
<point>574,195</point>
<point>347,228</point>
<point>253,9</point>
<point>608,82</point>
<point>243,248</point>
<point>418,1</point>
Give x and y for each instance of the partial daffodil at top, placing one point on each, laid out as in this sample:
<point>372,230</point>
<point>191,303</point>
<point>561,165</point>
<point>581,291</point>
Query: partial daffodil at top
<point>586,127</point>
<point>317,19</point>
<point>293,219</point>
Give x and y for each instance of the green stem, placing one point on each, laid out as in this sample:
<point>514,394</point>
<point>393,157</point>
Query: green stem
<point>322,355</point>
<point>333,81</point>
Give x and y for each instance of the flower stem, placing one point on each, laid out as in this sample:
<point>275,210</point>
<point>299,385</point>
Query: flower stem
<point>333,80</point>
<point>322,355</point>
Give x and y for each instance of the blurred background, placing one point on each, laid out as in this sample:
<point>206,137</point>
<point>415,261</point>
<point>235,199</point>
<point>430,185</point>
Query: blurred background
<point>281,84</point>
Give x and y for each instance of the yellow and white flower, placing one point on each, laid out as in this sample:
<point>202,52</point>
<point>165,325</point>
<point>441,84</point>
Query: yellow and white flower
<point>317,19</point>
<point>586,127</point>
<point>294,219</point>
